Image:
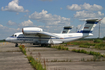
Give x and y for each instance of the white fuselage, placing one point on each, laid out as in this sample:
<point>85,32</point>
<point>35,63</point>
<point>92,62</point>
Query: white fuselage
<point>36,35</point>
<point>22,38</point>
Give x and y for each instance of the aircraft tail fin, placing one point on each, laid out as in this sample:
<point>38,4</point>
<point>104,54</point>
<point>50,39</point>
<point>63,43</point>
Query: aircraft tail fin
<point>89,26</point>
<point>67,29</point>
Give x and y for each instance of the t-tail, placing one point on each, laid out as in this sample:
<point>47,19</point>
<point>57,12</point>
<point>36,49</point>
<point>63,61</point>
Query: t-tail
<point>88,27</point>
<point>67,29</point>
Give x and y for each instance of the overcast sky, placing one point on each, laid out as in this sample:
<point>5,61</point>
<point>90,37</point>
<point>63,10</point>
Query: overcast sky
<point>51,15</point>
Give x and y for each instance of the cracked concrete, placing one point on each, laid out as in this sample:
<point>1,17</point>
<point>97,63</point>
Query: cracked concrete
<point>11,58</point>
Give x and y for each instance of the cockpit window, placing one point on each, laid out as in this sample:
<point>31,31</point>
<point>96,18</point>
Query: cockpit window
<point>13,35</point>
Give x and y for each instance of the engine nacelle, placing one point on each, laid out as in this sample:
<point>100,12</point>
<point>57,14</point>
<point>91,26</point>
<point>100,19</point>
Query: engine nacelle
<point>31,30</point>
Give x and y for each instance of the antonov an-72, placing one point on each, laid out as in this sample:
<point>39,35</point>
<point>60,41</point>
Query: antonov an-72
<point>37,36</point>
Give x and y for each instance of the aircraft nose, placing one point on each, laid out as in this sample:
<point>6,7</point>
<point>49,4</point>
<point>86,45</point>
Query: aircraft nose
<point>7,39</point>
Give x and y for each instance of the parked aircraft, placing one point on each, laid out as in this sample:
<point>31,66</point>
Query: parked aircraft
<point>37,36</point>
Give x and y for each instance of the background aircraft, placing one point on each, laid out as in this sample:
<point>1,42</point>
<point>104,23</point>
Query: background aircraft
<point>37,36</point>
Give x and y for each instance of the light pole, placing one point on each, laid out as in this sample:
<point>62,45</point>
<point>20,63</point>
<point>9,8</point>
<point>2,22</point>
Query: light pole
<point>99,28</point>
<point>76,29</point>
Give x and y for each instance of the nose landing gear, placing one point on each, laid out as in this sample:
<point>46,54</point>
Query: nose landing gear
<point>16,45</point>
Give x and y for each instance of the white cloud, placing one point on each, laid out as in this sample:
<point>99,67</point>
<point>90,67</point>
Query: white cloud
<point>1,26</point>
<point>49,18</point>
<point>103,21</point>
<point>61,8</point>
<point>53,23</point>
<point>79,26</point>
<point>91,7</point>
<point>19,29</point>
<point>11,23</point>
<point>26,23</point>
<point>87,14</point>
<point>14,7</point>
<point>17,13</point>
<point>74,7</point>
<point>5,31</point>
<point>52,29</point>
<point>85,6</point>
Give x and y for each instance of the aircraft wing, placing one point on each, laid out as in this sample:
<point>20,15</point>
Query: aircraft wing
<point>47,34</point>
<point>38,31</point>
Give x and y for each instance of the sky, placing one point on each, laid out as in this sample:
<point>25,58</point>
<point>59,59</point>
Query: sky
<point>50,15</point>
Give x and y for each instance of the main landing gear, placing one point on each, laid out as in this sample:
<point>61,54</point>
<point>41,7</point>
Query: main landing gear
<point>16,45</point>
<point>45,45</point>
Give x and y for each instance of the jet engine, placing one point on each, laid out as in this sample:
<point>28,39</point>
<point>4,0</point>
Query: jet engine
<point>31,30</point>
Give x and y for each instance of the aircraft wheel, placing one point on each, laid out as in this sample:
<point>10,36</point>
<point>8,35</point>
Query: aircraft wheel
<point>33,43</point>
<point>46,45</point>
<point>42,45</point>
<point>16,45</point>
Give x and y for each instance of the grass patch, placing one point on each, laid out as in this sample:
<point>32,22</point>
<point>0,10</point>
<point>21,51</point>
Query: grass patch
<point>36,63</point>
<point>97,41</point>
<point>2,40</point>
<point>100,46</point>
<point>97,54</point>
<point>61,47</point>
<point>88,43</point>
<point>23,49</point>
<point>84,46</point>
<point>80,51</point>
<point>86,52</point>
<point>97,44</point>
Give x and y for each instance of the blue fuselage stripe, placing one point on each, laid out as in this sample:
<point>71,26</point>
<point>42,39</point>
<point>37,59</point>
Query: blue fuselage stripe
<point>84,31</point>
<point>43,38</point>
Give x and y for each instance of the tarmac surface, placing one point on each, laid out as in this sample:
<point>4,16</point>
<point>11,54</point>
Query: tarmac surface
<point>87,49</point>
<point>64,60</point>
<point>11,58</point>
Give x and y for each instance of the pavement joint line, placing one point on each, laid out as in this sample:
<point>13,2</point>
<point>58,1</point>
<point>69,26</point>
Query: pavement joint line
<point>69,65</point>
<point>35,63</point>
<point>12,60</point>
<point>58,62</point>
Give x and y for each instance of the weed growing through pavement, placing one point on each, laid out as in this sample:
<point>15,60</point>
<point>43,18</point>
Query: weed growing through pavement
<point>100,46</point>
<point>55,60</point>
<point>97,55</point>
<point>23,49</point>
<point>84,46</point>
<point>61,47</point>
<point>97,44</point>
<point>34,62</point>
<point>82,59</point>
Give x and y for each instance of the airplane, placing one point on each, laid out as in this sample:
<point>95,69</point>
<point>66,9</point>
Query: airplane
<point>37,36</point>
